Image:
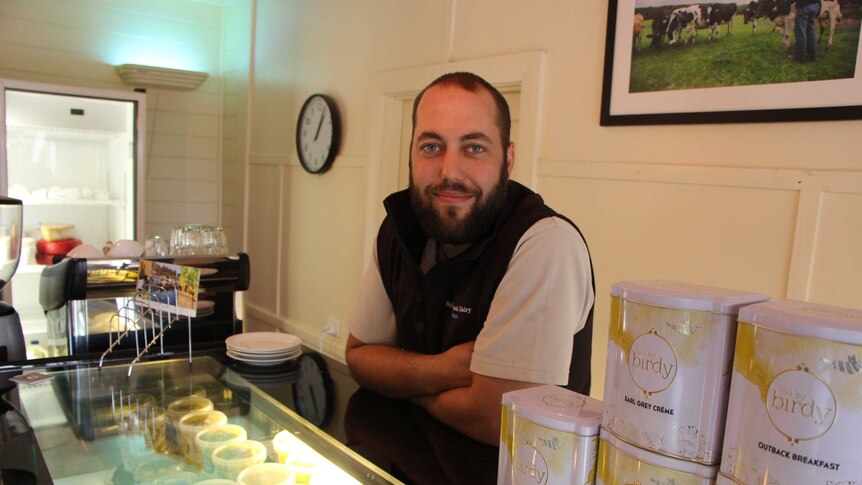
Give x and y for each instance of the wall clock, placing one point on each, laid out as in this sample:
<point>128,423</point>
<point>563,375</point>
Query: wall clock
<point>318,132</point>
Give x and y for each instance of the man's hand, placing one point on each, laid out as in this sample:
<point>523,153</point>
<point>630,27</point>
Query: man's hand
<point>402,374</point>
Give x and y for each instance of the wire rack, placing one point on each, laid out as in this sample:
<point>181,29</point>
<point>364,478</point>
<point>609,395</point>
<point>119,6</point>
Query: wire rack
<point>146,318</point>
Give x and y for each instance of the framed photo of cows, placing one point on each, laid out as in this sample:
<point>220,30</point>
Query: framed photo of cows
<point>728,61</point>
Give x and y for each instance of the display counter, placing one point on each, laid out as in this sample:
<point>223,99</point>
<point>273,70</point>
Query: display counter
<point>96,426</point>
<point>79,434</point>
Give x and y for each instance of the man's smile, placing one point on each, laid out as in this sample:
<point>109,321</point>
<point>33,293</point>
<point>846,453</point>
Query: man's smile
<point>452,197</point>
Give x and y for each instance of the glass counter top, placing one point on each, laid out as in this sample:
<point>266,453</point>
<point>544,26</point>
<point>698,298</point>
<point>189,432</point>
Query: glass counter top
<point>102,426</point>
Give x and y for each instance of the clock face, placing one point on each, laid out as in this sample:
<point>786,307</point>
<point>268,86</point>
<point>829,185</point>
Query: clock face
<point>317,133</point>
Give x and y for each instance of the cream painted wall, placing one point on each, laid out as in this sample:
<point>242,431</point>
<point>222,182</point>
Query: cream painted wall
<point>78,43</point>
<point>305,232</point>
<point>744,206</point>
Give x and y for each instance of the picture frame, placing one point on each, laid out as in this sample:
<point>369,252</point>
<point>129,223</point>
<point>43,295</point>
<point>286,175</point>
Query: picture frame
<point>626,102</point>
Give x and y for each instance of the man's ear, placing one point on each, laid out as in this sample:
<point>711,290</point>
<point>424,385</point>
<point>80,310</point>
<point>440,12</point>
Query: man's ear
<point>510,157</point>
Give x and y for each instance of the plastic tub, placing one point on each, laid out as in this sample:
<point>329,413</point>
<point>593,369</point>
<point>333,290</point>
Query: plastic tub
<point>232,458</point>
<point>190,425</point>
<point>620,463</point>
<point>795,408</point>
<point>207,440</point>
<point>549,432</point>
<point>267,474</point>
<point>175,411</point>
<point>670,350</point>
<point>300,457</point>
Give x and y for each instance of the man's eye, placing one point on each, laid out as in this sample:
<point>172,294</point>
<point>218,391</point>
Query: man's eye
<point>430,148</point>
<point>475,148</point>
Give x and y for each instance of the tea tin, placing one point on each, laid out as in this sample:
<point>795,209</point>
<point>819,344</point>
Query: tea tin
<point>548,434</point>
<point>795,406</point>
<point>670,351</point>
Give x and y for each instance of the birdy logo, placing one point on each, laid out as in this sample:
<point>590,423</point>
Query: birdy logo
<point>652,363</point>
<point>529,466</point>
<point>800,405</point>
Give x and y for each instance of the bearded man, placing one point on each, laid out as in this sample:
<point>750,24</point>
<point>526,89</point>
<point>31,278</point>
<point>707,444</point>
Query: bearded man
<point>476,287</point>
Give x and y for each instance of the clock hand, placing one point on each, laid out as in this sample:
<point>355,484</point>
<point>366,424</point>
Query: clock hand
<point>317,133</point>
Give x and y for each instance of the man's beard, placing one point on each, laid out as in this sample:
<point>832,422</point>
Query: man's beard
<point>469,228</point>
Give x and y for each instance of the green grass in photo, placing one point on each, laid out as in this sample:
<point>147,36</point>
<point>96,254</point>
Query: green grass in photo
<point>742,59</point>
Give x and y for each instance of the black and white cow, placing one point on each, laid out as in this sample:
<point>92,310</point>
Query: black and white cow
<point>749,15</point>
<point>717,14</point>
<point>774,10</point>
<point>685,20</point>
<point>659,29</point>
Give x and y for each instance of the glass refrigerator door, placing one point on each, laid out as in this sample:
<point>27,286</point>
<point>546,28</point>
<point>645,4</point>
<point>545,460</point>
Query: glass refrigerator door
<point>71,159</point>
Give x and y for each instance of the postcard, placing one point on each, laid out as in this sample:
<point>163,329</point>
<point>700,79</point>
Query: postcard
<point>168,287</point>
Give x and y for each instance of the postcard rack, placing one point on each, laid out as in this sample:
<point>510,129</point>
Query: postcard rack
<point>84,299</point>
<point>154,320</point>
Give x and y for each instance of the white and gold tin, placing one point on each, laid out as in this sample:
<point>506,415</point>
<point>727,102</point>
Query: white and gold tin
<point>620,463</point>
<point>548,435</point>
<point>795,408</point>
<point>669,357</point>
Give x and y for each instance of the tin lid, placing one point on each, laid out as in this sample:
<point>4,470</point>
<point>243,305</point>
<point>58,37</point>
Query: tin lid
<point>686,296</point>
<point>557,408</point>
<point>807,319</point>
<point>656,459</point>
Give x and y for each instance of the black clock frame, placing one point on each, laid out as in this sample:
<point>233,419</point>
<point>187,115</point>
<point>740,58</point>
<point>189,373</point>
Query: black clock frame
<point>336,133</point>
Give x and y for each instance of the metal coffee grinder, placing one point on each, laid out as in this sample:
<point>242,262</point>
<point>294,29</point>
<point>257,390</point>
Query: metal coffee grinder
<point>11,335</point>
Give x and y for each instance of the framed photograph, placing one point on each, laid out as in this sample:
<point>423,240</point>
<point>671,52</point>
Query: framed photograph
<point>676,62</point>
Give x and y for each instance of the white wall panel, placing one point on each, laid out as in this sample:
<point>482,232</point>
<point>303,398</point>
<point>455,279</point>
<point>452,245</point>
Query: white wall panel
<point>836,266</point>
<point>264,242</point>
<point>321,278</point>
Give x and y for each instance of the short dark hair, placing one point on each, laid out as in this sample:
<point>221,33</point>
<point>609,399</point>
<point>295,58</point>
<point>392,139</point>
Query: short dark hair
<point>473,83</point>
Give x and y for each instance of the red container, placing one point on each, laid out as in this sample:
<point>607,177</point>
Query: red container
<point>61,247</point>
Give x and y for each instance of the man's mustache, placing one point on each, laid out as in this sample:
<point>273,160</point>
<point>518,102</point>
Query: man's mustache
<point>448,185</point>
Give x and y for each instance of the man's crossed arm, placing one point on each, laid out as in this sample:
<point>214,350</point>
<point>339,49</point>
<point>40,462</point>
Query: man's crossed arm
<point>441,383</point>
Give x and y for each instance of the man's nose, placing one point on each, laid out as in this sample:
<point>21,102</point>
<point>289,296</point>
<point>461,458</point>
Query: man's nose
<point>450,168</point>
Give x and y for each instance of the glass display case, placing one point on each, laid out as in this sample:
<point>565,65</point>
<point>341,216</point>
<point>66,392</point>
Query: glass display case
<point>105,426</point>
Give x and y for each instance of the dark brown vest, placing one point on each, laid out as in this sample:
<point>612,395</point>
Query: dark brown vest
<point>448,305</point>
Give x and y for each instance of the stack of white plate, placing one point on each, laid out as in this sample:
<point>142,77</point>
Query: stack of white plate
<point>263,348</point>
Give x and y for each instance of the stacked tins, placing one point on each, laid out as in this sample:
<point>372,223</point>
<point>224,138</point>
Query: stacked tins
<point>548,435</point>
<point>795,409</point>
<point>669,356</point>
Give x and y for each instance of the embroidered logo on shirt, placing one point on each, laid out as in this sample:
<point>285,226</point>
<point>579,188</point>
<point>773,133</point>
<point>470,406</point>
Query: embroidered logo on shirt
<point>456,309</point>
